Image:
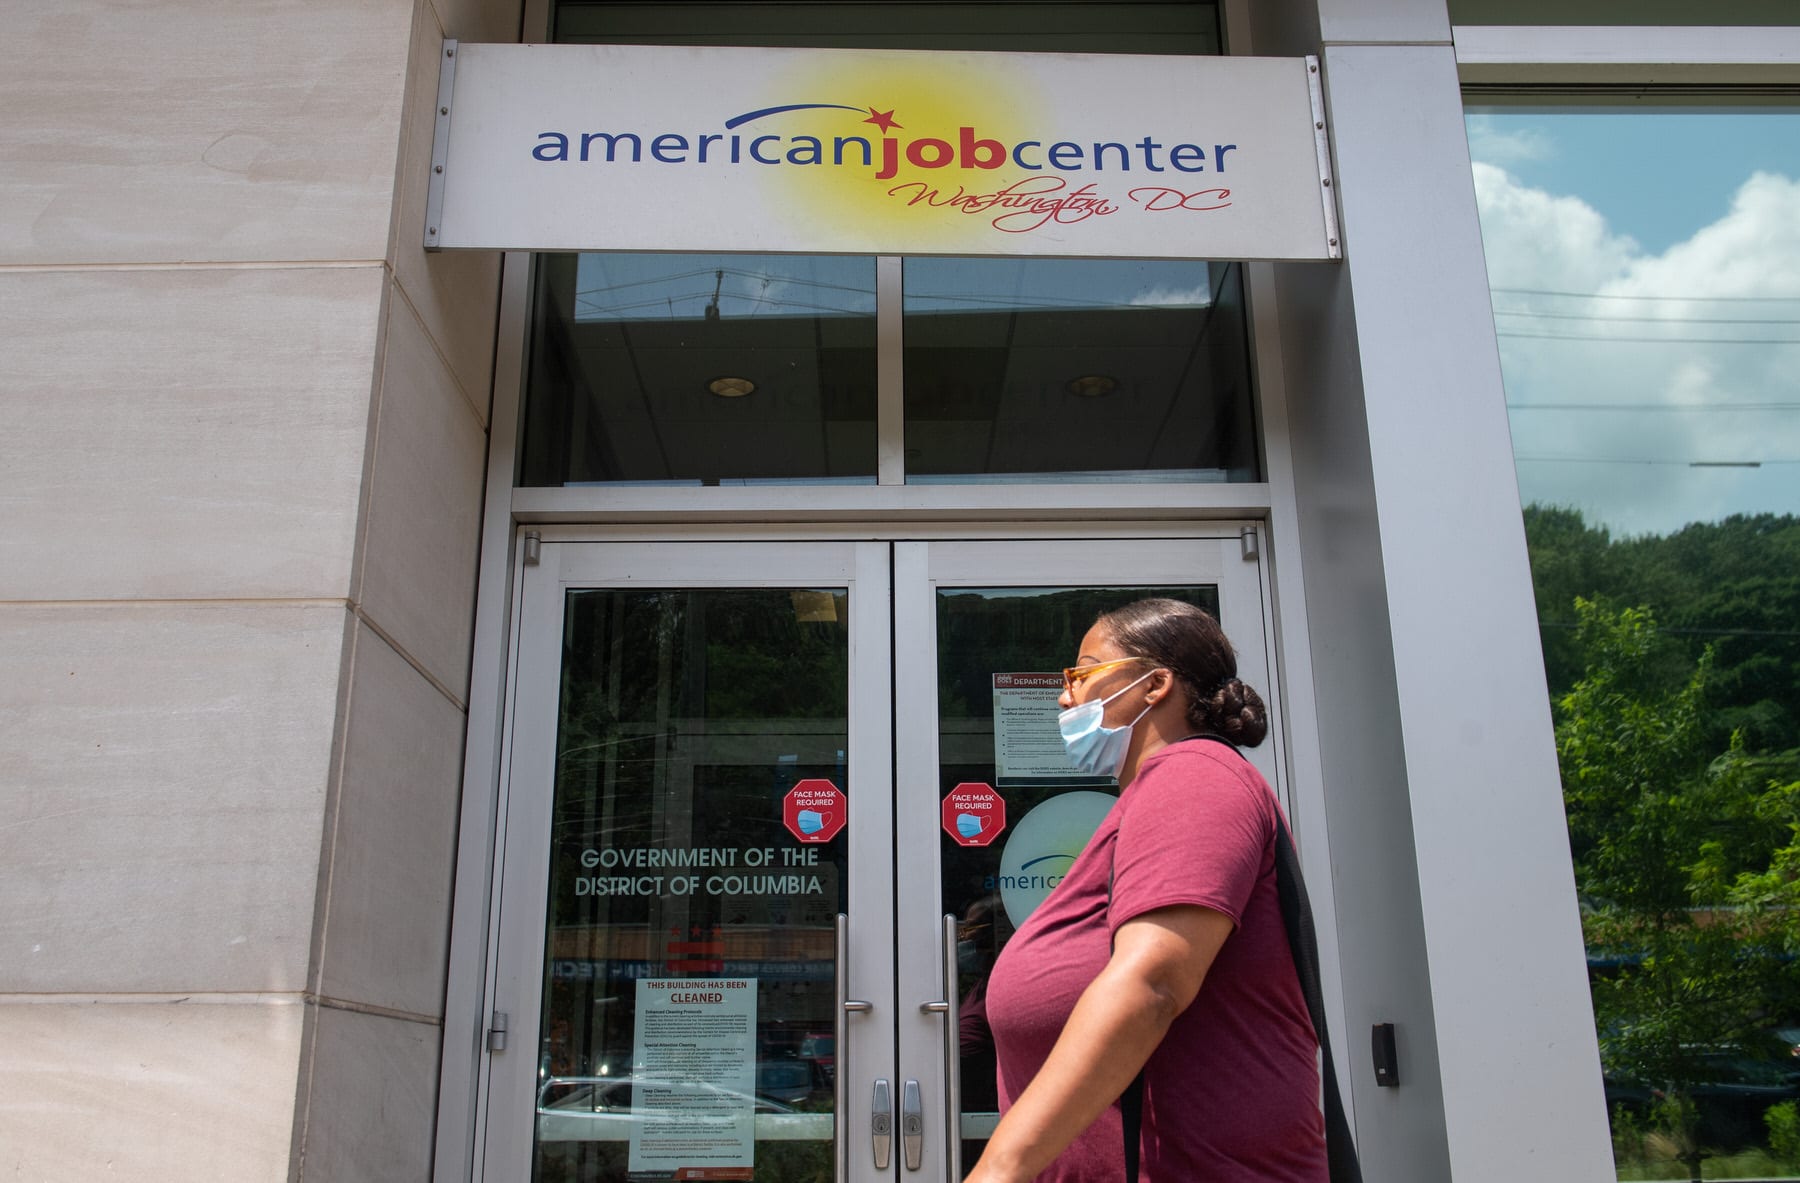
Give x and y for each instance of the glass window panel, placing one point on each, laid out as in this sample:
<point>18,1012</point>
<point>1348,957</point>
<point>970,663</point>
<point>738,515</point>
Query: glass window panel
<point>1091,369</point>
<point>1176,26</point>
<point>982,632</point>
<point>674,761</point>
<point>1649,332</point>
<point>1622,12</point>
<point>701,370</point>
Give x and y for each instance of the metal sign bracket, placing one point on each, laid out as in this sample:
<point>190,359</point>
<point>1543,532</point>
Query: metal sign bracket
<point>440,144</point>
<point>1322,145</point>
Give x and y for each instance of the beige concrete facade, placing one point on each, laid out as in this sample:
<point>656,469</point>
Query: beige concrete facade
<point>241,488</point>
<point>242,499</point>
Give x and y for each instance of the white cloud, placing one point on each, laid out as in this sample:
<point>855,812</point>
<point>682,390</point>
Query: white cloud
<point>1489,144</point>
<point>1639,339</point>
<point>1166,297</point>
<point>1536,239</point>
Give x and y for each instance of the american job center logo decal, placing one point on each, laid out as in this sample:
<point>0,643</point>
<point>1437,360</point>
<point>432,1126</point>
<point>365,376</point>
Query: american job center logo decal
<point>927,148</point>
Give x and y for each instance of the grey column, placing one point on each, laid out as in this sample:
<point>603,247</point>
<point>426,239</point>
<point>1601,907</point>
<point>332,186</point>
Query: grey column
<point>1454,897</point>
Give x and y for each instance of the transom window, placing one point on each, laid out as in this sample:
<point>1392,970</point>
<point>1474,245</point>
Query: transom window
<point>743,369</point>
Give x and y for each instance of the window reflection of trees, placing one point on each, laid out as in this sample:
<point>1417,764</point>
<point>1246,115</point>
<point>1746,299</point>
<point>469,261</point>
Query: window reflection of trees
<point>1672,650</point>
<point>986,631</point>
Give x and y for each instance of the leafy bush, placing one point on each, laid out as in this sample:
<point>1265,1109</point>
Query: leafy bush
<point>1783,1121</point>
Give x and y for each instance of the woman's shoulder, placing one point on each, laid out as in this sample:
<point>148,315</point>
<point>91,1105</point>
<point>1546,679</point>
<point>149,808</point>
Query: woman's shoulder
<point>1201,773</point>
<point>1201,755</point>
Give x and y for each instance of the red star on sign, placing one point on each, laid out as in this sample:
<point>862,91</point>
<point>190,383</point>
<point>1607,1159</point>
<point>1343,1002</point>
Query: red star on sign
<point>883,119</point>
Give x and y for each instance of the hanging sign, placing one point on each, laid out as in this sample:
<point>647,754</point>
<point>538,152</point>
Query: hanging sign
<point>814,810</point>
<point>658,148</point>
<point>974,814</point>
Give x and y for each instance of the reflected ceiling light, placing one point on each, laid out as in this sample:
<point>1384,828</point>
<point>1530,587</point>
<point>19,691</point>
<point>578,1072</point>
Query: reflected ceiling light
<point>814,607</point>
<point>731,387</point>
<point>1093,385</point>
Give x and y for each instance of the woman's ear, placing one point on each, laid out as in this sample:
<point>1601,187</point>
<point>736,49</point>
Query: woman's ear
<point>1162,681</point>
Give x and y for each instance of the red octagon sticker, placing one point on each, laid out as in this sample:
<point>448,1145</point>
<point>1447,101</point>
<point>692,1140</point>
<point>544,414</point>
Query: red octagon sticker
<point>814,810</point>
<point>974,814</point>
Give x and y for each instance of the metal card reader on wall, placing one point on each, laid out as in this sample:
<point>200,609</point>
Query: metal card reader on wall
<point>1387,1059</point>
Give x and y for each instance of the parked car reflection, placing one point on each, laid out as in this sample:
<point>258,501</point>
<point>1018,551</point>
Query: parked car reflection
<point>820,1048</point>
<point>1733,1087</point>
<point>606,1108</point>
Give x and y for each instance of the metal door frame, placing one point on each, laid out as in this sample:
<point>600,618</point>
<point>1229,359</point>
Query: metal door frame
<point>506,1085</point>
<point>1204,554</point>
<point>893,690</point>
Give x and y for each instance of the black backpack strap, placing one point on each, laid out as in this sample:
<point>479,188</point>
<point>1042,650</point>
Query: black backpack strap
<point>1131,1101</point>
<point>1131,1109</point>
<point>1303,944</point>
<point>1296,913</point>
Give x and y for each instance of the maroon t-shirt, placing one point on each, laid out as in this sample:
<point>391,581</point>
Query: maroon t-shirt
<point>1232,1093</point>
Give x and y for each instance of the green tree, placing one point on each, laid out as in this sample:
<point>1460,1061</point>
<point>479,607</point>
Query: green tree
<point>1731,585</point>
<point>1569,559</point>
<point>1687,863</point>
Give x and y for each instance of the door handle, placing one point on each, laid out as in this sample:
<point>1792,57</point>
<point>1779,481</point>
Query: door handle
<point>844,1007</point>
<point>912,1126</point>
<point>947,1007</point>
<point>881,1125</point>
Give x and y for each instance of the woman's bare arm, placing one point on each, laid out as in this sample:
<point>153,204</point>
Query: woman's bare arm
<point>1158,961</point>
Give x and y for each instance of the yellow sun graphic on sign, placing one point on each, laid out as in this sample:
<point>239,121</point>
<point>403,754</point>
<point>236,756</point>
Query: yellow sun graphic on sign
<point>894,145</point>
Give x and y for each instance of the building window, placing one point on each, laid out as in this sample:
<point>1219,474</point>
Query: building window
<point>1090,369</point>
<point>749,369</point>
<point>1645,274</point>
<point>700,370</point>
<point>1012,26</point>
<point>1612,12</point>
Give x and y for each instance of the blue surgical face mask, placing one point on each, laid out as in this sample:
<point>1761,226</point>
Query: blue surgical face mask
<point>1093,747</point>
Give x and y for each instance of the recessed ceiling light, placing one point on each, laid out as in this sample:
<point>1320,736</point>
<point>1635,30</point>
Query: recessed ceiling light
<point>1092,385</point>
<point>731,387</point>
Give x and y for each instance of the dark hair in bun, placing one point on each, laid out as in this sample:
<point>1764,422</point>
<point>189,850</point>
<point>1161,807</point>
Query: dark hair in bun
<point>1188,641</point>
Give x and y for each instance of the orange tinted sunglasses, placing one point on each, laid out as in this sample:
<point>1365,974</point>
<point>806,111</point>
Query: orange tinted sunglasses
<point>1080,673</point>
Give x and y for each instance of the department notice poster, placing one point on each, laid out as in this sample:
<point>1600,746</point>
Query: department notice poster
<point>1028,747</point>
<point>693,1106</point>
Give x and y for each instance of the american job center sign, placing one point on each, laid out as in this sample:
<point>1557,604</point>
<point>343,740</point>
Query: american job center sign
<point>598,147</point>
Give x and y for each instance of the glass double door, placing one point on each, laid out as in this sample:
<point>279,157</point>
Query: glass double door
<point>771,809</point>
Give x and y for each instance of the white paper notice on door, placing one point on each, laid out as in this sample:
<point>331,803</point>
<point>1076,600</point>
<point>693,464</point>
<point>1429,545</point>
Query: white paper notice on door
<point>693,1103</point>
<point>1028,747</point>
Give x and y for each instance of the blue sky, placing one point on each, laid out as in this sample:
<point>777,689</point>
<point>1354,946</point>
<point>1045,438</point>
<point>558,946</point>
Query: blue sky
<point>651,285</point>
<point>1657,176</point>
<point>1645,266</point>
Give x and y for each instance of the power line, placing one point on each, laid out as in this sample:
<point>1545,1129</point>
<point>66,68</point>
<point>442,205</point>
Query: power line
<point>1674,320</point>
<point>763,277</point>
<point>1690,406</point>
<point>1653,460</point>
<point>1020,302</point>
<point>1607,296</point>
<point>1654,340</point>
<point>590,308</point>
